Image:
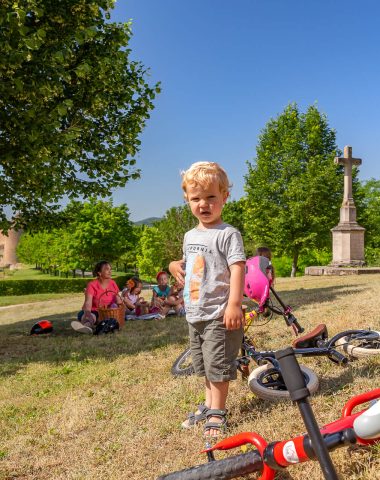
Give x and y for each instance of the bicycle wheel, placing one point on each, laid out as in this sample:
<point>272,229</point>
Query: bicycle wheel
<point>267,382</point>
<point>183,366</point>
<point>364,344</point>
<point>225,469</point>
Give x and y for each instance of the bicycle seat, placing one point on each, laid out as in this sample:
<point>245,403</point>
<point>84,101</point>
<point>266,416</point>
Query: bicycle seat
<point>310,339</point>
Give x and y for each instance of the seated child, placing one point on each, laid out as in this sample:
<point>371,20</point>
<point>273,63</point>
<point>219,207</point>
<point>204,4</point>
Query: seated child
<point>131,298</point>
<point>165,298</point>
<point>266,252</point>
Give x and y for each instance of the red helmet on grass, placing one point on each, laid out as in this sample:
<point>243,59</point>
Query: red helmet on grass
<point>44,326</point>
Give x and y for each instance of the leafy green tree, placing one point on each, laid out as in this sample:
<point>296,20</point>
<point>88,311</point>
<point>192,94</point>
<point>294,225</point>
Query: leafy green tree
<point>369,217</point>
<point>98,230</point>
<point>173,226</point>
<point>233,214</point>
<point>95,230</point>
<point>150,258</point>
<point>294,189</point>
<point>72,105</point>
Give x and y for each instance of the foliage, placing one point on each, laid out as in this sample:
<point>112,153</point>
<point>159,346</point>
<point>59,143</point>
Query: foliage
<point>294,189</point>
<point>96,230</point>
<point>175,223</point>
<point>72,105</point>
<point>150,258</point>
<point>162,243</point>
<point>372,256</point>
<point>369,216</point>
<point>233,213</point>
<point>50,285</point>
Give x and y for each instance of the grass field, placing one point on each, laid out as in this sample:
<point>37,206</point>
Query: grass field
<point>79,407</point>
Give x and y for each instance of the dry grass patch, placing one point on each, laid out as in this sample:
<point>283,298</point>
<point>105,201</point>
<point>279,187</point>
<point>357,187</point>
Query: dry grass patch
<point>79,407</point>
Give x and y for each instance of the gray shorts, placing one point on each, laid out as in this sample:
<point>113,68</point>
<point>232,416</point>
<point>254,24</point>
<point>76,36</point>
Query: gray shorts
<point>214,349</point>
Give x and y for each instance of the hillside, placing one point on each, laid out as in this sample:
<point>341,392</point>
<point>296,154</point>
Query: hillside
<point>147,221</point>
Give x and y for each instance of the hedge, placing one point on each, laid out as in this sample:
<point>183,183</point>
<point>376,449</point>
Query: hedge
<point>53,285</point>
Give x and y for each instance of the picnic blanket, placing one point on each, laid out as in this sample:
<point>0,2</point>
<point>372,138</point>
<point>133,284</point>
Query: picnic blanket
<point>147,316</point>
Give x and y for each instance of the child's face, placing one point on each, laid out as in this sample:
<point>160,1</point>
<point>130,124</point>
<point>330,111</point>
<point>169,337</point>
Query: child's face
<point>162,279</point>
<point>137,290</point>
<point>206,204</point>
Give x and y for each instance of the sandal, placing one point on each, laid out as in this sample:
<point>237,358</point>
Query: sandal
<point>220,426</point>
<point>194,418</point>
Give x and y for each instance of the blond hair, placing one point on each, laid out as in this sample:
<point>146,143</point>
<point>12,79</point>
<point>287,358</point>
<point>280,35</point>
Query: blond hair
<point>203,174</point>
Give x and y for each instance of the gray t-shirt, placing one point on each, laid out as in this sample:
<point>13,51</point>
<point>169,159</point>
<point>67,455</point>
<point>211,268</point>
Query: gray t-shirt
<point>208,254</point>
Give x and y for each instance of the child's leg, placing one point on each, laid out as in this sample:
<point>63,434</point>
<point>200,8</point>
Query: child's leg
<point>220,350</point>
<point>195,334</point>
<point>217,392</point>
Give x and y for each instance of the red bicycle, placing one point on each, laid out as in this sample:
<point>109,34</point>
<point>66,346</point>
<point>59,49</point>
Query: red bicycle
<point>362,427</point>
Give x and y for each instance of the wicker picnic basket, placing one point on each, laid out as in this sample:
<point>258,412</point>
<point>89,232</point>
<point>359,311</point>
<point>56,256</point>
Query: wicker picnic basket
<point>118,313</point>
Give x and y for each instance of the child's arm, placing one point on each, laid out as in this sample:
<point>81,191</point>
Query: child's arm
<point>233,316</point>
<point>176,269</point>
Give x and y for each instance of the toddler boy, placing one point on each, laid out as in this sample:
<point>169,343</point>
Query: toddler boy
<point>213,279</point>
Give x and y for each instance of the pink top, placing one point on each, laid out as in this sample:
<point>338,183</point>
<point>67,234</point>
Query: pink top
<point>131,296</point>
<point>96,290</point>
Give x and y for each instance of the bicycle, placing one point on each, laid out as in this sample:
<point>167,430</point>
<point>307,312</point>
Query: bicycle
<point>362,427</point>
<point>258,289</point>
<point>266,380</point>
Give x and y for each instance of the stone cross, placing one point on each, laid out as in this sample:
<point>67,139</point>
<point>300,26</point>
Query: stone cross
<point>348,161</point>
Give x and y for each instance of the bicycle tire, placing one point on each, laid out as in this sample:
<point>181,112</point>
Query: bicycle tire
<point>269,391</point>
<point>181,367</point>
<point>226,469</point>
<point>362,348</point>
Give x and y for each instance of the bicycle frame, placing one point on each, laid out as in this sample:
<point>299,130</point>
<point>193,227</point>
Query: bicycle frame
<point>323,348</point>
<point>278,455</point>
<point>285,311</point>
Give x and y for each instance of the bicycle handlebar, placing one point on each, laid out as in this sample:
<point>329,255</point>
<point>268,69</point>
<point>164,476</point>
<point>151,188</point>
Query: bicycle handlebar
<point>362,427</point>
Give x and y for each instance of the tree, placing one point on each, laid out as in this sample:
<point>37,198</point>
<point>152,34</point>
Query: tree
<point>72,106</point>
<point>369,217</point>
<point>96,230</point>
<point>149,260</point>
<point>173,226</point>
<point>294,189</point>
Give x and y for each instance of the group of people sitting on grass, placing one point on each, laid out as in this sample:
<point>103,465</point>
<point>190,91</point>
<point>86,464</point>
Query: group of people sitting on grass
<point>103,291</point>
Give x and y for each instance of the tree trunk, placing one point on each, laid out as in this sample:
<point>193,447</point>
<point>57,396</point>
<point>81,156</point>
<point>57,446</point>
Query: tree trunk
<point>83,270</point>
<point>294,264</point>
<point>74,273</point>
<point>125,267</point>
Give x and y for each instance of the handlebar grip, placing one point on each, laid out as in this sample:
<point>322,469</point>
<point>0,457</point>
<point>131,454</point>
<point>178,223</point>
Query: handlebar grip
<point>292,375</point>
<point>226,469</point>
<point>338,357</point>
<point>298,326</point>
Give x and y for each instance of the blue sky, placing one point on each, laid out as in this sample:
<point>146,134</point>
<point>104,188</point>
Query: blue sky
<point>227,67</point>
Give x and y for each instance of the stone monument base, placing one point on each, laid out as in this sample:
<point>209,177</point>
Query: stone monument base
<point>332,270</point>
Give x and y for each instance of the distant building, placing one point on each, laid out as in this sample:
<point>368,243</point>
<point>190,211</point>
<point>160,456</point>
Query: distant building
<point>8,245</point>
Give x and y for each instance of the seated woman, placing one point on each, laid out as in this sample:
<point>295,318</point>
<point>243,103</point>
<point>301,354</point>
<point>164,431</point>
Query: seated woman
<point>103,289</point>
<point>166,298</point>
<point>132,300</point>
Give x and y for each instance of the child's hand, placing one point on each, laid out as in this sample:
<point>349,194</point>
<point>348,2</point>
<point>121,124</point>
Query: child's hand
<point>176,269</point>
<point>233,317</point>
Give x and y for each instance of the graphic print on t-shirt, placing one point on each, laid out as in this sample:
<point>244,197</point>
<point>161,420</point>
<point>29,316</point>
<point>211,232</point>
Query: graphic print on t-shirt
<point>195,269</point>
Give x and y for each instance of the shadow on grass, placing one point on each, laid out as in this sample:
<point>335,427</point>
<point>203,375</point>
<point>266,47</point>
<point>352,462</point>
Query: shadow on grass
<point>329,385</point>
<point>298,298</point>
<point>18,348</point>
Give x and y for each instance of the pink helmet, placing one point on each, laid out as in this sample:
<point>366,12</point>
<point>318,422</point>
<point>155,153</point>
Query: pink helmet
<point>256,282</point>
